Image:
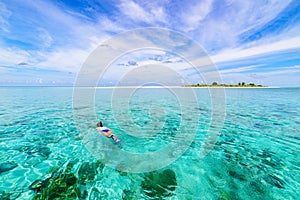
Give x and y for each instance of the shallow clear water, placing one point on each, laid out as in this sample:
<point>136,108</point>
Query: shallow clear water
<point>44,155</point>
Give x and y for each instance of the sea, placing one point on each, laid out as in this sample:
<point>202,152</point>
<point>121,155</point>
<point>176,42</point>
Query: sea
<point>177,143</point>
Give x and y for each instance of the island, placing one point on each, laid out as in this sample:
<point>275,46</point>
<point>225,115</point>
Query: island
<point>239,85</point>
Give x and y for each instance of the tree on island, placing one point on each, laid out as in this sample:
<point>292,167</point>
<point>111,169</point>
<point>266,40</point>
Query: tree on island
<point>214,84</point>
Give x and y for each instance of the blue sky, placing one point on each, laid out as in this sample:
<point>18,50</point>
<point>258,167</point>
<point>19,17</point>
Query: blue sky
<point>45,42</point>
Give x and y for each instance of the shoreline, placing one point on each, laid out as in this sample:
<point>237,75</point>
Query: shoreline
<point>227,87</point>
<point>145,87</point>
<point>153,87</point>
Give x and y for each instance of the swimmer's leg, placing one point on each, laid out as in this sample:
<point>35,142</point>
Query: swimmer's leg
<point>116,139</point>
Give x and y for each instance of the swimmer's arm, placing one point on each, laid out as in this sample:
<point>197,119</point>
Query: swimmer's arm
<point>99,131</point>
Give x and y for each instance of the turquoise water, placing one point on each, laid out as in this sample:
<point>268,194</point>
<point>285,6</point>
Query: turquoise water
<point>43,154</point>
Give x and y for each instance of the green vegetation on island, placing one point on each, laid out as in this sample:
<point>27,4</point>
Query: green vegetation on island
<point>215,84</point>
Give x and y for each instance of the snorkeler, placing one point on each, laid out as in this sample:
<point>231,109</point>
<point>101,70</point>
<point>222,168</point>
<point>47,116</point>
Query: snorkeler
<point>107,132</point>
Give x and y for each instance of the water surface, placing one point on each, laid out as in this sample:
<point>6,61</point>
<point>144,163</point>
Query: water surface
<point>43,155</point>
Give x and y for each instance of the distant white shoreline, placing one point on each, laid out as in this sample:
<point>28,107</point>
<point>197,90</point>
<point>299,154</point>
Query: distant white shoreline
<point>154,87</point>
<point>146,87</point>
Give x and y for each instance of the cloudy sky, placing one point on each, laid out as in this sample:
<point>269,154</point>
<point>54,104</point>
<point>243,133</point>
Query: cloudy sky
<point>46,42</point>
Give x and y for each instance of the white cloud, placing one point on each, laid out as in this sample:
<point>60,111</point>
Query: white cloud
<point>72,35</point>
<point>39,80</point>
<point>73,41</point>
<point>67,29</point>
<point>226,24</point>
<point>10,56</point>
<point>4,16</point>
<point>138,14</point>
<point>246,15</point>
<point>193,15</point>
<point>238,53</point>
<point>284,76</point>
<point>281,71</point>
<point>45,37</point>
<point>69,60</point>
<point>106,24</point>
<point>3,69</point>
<point>239,69</point>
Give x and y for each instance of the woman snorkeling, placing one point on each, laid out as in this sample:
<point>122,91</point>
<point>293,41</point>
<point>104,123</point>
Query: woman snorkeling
<point>107,132</point>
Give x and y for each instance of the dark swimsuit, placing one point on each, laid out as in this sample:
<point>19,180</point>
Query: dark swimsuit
<point>112,136</point>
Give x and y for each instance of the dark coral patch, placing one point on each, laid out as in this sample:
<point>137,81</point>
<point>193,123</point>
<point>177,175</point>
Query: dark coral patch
<point>159,185</point>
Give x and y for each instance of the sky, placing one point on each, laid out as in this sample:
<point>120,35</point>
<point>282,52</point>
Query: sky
<point>46,42</point>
